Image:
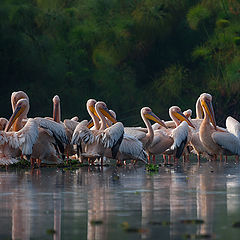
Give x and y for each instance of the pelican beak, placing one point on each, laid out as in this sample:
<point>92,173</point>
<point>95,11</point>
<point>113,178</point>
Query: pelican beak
<point>18,111</point>
<point>92,109</point>
<point>90,124</point>
<point>209,110</point>
<point>156,119</point>
<point>107,114</point>
<point>181,117</point>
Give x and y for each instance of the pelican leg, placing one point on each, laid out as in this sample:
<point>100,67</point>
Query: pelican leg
<point>226,158</point>
<point>169,159</point>
<point>154,159</point>
<point>215,157</point>
<point>198,157</point>
<point>38,162</point>
<point>164,159</point>
<point>184,157</point>
<point>149,159</point>
<point>102,162</point>
<point>221,157</point>
<point>237,158</point>
<point>32,161</point>
<point>67,156</point>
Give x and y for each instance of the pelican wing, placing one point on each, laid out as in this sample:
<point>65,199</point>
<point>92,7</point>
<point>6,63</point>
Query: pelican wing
<point>233,126</point>
<point>57,129</point>
<point>70,124</point>
<point>111,135</point>
<point>179,134</point>
<point>132,147</point>
<point>27,136</point>
<point>82,133</point>
<point>161,142</point>
<point>227,141</point>
<point>136,132</point>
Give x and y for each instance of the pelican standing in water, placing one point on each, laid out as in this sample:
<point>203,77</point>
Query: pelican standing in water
<point>97,141</point>
<point>130,149</point>
<point>146,135</point>
<point>218,142</point>
<point>172,140</point>
<point>29,133</point>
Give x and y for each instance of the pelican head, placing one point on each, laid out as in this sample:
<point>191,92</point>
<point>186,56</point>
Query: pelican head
<point>91,106</point>
<point>22,108</point>
<point>147,112</point>
<point>206,103</point>
<point>104,110</point>
<point>56,109</point>
<point>176,113</point>
<point>56,99</point>
<point>188,113</point>
<point>17,96</point>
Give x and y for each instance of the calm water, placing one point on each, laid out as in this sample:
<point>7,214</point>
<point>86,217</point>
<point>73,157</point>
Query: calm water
<point>32,203</point>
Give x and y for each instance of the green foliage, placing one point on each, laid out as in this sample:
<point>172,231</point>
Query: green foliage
<point>197,16</point>
<point>128,53</point>
<point>201,53</point>
<point>222,23</point>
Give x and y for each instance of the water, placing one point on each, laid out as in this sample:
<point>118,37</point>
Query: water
<point>127,202</point>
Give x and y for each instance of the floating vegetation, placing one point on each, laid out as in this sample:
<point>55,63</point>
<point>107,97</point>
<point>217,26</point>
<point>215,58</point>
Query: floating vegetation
<point>96,222</point>
<point>236,225</point>
<point>197,236</point>
<point>152,167</point>
<point>21,164</point>
<point>162,223</point>
<point>126,227</point>
<point>50,231</point>
<point>192,221</point>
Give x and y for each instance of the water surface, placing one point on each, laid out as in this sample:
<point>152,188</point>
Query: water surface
<point>121,203</point>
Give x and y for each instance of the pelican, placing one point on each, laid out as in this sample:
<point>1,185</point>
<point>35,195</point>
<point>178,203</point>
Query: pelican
<point>218,142</point>
<point>97,141</point>
<point>130,148</point>
<point>172,141</point>
<point>146,135</point>
<point>30,133</point>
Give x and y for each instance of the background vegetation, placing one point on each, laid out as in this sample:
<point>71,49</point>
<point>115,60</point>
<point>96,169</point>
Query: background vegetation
<point>129,53</point>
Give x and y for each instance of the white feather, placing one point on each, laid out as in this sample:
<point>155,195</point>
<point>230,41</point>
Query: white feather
<point>57,129</point>
<point>111,135</point>
<point>233,126</point>
<point>179,134</point>
<point>227,141</point>
<point>132,147</point>
<point>27,136</point>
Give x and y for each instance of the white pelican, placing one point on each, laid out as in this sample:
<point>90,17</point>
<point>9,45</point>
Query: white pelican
<point>97,141</point>
<point>130,148</point>
<point>218,142</point>
<point>172,141</point>
<point>27,138</point>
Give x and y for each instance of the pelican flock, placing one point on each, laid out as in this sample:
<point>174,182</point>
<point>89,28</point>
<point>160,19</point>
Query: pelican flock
<point>47,140</point>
